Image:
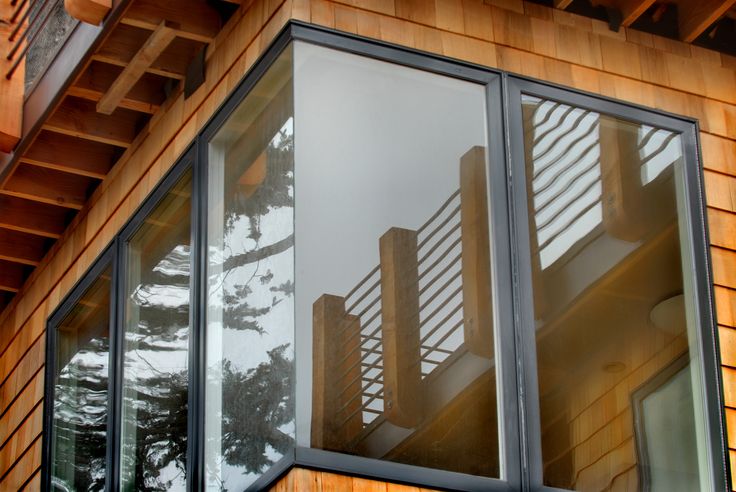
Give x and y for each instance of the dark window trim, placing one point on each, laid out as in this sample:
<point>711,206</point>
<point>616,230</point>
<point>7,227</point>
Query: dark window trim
<point>637,405</point>
<point>104,261</point>
<point>518,444</point>
<point>697,229</point>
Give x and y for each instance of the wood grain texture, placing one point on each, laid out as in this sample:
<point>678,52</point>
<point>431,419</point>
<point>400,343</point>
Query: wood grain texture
<point>524,38</point>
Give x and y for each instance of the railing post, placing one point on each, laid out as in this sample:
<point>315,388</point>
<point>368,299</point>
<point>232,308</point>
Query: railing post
<point>12,88</point>
<point>402,377</point>
<point>625,211</point>
<point>476,261</point>
<point>336,374</point>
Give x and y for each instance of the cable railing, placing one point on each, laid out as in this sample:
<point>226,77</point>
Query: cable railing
<point>440,315</point>
<point>40,29</point>
<point>567,178</point>
<point>381,348</point>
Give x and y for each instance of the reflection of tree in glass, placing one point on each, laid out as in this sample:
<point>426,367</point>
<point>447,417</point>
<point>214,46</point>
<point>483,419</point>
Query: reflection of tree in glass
<point>80,419</point>
<point>276,191</point>
<point>264,396</point>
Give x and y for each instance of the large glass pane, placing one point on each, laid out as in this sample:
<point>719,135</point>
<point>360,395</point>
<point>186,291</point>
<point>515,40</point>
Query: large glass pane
<point>393,281</point>
<point>155,346</point>
<point>79,428</point>
<point>249,414</point>
<point>613,310</point>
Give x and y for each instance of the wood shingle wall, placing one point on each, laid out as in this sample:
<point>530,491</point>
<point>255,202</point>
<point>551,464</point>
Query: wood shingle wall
<point>508,34</point>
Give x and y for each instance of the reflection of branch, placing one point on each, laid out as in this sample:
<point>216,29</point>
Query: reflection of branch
<point>259,254</point>
<point>230,263</point>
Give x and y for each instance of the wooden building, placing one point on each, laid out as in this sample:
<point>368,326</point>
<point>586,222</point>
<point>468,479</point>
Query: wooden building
<point>147,207</point>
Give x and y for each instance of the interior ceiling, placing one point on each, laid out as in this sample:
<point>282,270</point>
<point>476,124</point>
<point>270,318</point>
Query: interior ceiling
<point>120,89</point>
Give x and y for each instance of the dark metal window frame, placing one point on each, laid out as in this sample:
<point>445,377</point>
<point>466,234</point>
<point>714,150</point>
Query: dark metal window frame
<point>519,437</point>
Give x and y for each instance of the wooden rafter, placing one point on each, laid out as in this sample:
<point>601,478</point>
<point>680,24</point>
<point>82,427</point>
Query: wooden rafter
<point>64,153</point>
<point>89,11</point>
<point>195,20</point>
<point>11,276</point>
<point>145,97</point>
<point>562,4</point>
<point>125,41</point>
<point>79,118</point>
<point>157,42</point>
<point>632,9</point>
<point>695,16</point>
<point>48,186</point>
<point>32,217</point>
<point>18,247</point>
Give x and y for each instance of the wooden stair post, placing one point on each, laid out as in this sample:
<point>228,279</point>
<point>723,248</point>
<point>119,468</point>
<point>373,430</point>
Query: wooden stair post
<point>336,374</point>
<point>402,377</point>
<point>476,259</point>
<point>12,87</point>
<point>632,209</point>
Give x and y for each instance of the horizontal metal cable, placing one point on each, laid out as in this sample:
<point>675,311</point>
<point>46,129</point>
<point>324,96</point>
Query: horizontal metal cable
<point>444,270</point>
<point>365,294</point>
<point>438,212</point>
<point>572,201</point>
<point>363,281</point>
<point>447,219</point>
<point>442,323</point>
<point>570,182</point>
<point>565,152</point>
<point>438,243</point>
<point>557,176</point>
<point>439,291</point>
<point>565,113</point>
<point>442,306</point>
<point>569,223</point>
<point>444,337</point>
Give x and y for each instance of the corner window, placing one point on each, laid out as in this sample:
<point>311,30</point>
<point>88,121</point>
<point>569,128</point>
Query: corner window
<point>612,309</point>
<point>365,264</point>
<point>79,380</point>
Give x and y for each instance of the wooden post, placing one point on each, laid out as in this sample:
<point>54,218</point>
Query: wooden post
<point>476,258</point>
<point>336,383</point>
<point>89,11</point>
<point>12,90</point>
<point>402,378</point>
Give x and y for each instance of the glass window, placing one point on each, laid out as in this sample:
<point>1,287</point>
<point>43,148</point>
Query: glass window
<point>612,306</point>
<point>347,291</point>
<point>249,414</point>
<point>393,301</point>
<point>81,372</point>
<point>156,346</point>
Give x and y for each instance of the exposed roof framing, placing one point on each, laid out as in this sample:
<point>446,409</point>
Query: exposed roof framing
<point>687,20</point>
<point>143,58</point>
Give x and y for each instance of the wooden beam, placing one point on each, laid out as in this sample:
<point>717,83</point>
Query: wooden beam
<point>125,41</point>
<point>476,254</point>
<point>11,91</point>
<point>11,276</point>
<point>48,186</point>
<point>195,20</point>
<point>402,377</point>
<point>561,4</point>
<point>632,10</point>
<point>32,217</point>
<point>159,40</point>
<point>89,11</point>
<point>695,16</point>
<point>79,118</point>
<point>71,155</point>
<point>336,382</point>
<point>18,247</point>
<point>146,96</point>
